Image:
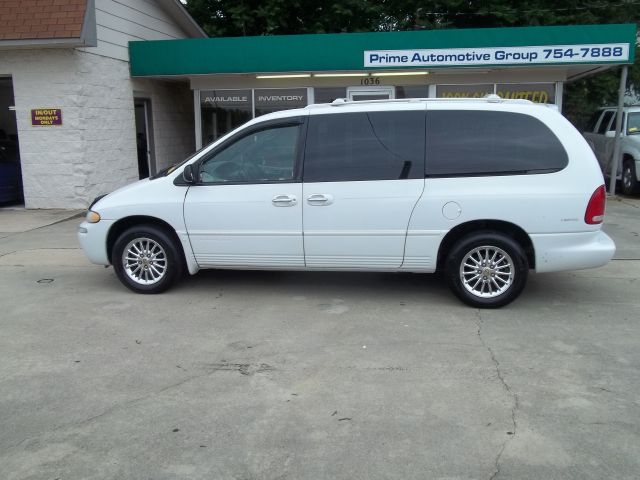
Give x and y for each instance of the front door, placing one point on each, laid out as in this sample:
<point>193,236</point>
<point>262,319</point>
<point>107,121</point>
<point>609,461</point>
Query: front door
<point>10,171</point>
<point>144,137</point>
<point>246,211</point>
<point>370,93</point>
<point>363,175</point>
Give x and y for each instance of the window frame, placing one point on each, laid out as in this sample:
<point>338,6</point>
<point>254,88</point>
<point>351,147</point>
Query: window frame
<point>300,122</point>
<point>594,121</point>
<point>498,173</point>
<point>627,117</point>
<point>420,167</point>
<point>606,124</point>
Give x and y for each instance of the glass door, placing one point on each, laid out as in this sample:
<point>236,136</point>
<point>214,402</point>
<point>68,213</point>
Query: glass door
<point>370,93</point>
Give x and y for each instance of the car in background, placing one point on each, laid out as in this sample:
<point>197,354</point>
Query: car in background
<point>601,133</point>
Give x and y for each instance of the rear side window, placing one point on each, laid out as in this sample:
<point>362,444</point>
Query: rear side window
<point>593,121</point>
<point>365,146</point>
<point>468,143</point>
<point>604,124</point>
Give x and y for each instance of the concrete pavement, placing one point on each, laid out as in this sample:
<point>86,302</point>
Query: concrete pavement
<point>272,375</point>
<point>19,219</point>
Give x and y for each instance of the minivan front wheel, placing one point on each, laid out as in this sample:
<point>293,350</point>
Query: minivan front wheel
<point>145,259</point>
<point>487,269</point>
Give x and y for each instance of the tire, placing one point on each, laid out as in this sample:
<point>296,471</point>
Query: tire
<point>630,184</point>
<point>492,285</point>
<point>146,259</point>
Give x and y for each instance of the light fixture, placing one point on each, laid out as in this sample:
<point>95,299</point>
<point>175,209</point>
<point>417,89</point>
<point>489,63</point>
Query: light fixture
<point>460,71</point>
<point>326,75</point>
<point>289,75</point>
<point>397,74</point>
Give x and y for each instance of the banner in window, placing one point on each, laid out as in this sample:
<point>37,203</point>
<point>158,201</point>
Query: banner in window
<point>269,100</point>
<point>464,91</point>
<point>536,92</point>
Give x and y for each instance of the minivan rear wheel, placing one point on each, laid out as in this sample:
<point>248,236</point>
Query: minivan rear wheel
<point>487,269</point>
<point>146,260</point>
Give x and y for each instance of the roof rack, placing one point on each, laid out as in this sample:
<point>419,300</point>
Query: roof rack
<point>491,98</point>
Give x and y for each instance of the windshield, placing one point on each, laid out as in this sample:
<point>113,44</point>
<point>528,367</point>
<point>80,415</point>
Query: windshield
<point>633,123</point>
<point>171,168</point>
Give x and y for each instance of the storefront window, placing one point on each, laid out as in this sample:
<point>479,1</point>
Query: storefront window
<point>536,92</point>
<point>222,111</point>
<point>464,91</point>
<point>269,100</point>
<point>328,94</point>
<point>412,91</point>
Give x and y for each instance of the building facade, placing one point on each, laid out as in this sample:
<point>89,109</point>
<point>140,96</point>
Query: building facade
<point>71,60</point>
<point>138,86</point>
<point>235,79</point>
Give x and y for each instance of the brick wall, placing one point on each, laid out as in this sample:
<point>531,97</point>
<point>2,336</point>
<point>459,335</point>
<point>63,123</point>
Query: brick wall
<point>94,151</point>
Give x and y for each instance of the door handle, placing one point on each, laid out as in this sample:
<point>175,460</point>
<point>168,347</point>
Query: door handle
<point>284,200</point>
<point>320,199</point>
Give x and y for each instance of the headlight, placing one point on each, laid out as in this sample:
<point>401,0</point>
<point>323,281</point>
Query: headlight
<point>93,217</point>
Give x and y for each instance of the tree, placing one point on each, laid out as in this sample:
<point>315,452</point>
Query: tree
<point>282,17</point>
<point>230,18</point>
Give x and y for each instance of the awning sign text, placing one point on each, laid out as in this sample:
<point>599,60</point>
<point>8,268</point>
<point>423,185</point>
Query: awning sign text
<point>546,54</point>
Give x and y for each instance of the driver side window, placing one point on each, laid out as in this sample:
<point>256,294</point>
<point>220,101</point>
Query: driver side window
<point>260,157</point>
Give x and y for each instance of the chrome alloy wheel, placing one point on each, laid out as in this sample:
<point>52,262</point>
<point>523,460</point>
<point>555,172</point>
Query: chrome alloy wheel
<point>487,271</point>
<point>144,261</point>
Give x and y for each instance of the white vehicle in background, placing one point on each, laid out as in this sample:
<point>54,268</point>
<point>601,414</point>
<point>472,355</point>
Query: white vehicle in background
<point>600,134</point>
<point>483,190</point>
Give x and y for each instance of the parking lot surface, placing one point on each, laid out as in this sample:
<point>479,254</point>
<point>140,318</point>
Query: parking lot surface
<point>279,375</point>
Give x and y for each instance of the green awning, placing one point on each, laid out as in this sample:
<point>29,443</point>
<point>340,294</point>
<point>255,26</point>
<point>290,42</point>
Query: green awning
<point>424,49</point>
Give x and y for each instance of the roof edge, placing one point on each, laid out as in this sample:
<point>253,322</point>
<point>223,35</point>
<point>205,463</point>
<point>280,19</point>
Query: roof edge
<point>42,43</point>
<point>176,9</point>
<point>348,51</point>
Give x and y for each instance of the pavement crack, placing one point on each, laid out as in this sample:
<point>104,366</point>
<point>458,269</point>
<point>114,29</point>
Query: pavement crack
<point>507,388</point>
<point>115,407</point>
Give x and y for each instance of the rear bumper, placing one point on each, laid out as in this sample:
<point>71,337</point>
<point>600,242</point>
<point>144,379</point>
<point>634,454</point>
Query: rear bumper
<point>572,251</point>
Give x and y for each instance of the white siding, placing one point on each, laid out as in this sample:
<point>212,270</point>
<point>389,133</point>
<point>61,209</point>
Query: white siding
<point>120,21</point>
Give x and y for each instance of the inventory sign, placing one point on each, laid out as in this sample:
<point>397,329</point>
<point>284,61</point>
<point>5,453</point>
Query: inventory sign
<point>46,117</point>
<point>535,55</point>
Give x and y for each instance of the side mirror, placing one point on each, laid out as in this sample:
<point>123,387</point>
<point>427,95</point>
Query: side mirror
<point>189,175</point>
<point>610,134</point>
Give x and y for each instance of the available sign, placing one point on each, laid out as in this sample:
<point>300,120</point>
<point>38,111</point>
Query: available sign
<point>46,117</point>
<point>545,54</point>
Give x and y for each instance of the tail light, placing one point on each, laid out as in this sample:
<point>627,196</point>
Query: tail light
<point>595,209</point>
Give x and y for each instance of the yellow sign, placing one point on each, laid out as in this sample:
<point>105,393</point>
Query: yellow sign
<point>536,96</point>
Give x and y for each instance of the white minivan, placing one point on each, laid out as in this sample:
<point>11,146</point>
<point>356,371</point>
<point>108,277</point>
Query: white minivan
<point>484,190</point>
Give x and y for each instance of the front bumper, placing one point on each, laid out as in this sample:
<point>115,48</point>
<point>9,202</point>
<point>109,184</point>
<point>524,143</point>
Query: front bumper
<point>572,251</point>
<point>93,240</point>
